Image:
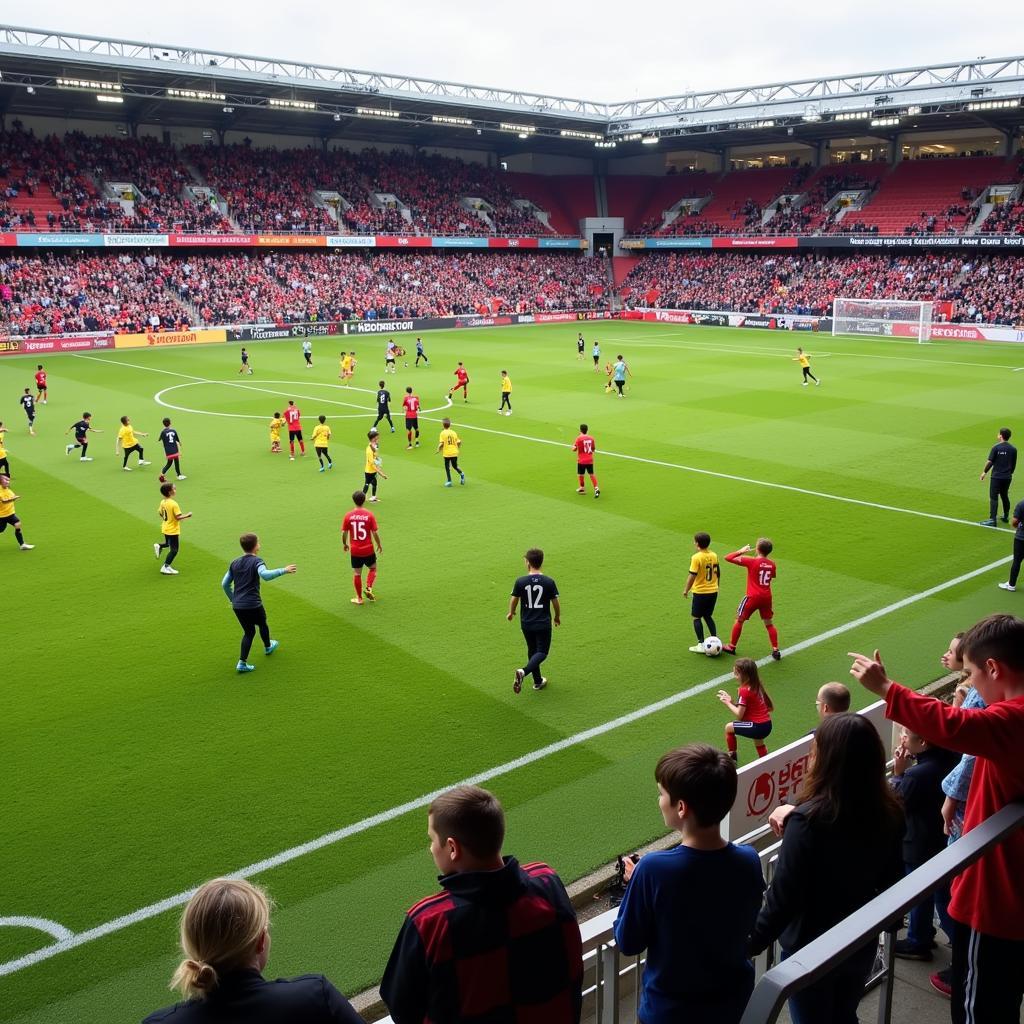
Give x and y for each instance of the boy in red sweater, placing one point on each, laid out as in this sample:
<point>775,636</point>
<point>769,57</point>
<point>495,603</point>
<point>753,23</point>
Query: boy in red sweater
<point>988,900</point>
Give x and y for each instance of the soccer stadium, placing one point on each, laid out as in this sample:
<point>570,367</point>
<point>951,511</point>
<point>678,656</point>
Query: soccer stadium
<point>581,479</point>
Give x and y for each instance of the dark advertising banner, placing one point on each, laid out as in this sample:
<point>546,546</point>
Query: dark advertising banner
<point>711,319</point>
<point>1013,242</point>
<point>275,332</point>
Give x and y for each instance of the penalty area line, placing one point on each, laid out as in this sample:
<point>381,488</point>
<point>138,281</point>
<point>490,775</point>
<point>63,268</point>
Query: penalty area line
<point>330,838</point>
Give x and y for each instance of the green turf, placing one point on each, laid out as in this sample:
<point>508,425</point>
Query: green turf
<point>138,763</point>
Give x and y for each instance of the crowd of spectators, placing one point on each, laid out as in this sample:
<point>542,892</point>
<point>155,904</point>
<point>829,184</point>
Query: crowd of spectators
<point>981,288</point>
<point>1006,219</point>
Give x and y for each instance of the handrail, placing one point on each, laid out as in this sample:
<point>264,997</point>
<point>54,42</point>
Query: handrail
<point>819,957</point>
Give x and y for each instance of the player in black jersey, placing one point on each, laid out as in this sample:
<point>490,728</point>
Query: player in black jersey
<point>28,403</point>
<point>539,596</point>
<point>383,406</point>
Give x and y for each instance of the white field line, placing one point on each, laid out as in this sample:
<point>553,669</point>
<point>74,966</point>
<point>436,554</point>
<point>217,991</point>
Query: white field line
<point>614,455</point>
<point>330,838</point>
<point>39,924</point>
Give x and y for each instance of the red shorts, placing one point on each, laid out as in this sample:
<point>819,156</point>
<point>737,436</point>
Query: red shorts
<point>757,603</point>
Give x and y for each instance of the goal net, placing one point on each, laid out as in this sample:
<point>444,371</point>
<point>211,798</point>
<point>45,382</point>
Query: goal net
<point>882,317</point>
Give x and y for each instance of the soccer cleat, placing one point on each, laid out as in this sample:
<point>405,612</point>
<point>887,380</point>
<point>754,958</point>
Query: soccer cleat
<point>696,649</point>
<point>581,490</point>
<point>408,447</point>
<point>462,478</point>
<point>1008,586</point>
<point>274,644</point>
<point>509,413</point>
<point>323,469</point>
<point>291,458</point>
<point>817,382</point>
<point>517,680</point>
<point>156,550</point>
<point>145,462</point>
<point>168,570</point>
<point>68,449</point>
<point>597,492</point>
<point>368,594</point>
<point>499,412</point>
<point>1004,519</point>
<point>330,465</point>
<point>417,444</point>
<point>728,649</point>
<point>180,477</point>
<point>85,458</point>
<point>127,469</point>
<point>447,483</point>
<point>776,654</point>
<point>540,686</point>
<point>356,600</point>
<point>392,430</point>
<point>804,383</point>
<point>162,478</point>
<point>27,547</point>
<point>243,666</point>
<point>374,498</point>
<point>987,522</point>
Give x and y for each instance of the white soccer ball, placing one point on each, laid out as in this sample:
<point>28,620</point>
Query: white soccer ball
<point>712,647</point>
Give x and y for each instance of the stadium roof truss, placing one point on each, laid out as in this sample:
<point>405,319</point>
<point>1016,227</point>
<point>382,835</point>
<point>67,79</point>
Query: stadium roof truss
<point>56,73</point>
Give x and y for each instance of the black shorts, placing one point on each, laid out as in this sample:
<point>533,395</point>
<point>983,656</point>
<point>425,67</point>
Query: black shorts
<point>702,606</point>
<point>389,359</point>
<point>358,561</point>
<point>596,358</point>
<point>320,451</point>
<point>294,435</point>
<point>134,448</point>
<point>581,469</point>
<point>6,521</point>
<point>172,540</point>
<point>412,424</point>
<point>752,730</point>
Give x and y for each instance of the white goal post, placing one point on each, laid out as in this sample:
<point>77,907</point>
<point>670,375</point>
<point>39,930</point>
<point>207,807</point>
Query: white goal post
<point>882,317</point>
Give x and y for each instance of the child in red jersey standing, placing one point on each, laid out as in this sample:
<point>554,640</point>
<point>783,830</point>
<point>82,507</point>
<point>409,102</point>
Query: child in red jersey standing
<point>358,535</point>
<point>753,709</point>
<point>40,384</point>
<point>293,417</point>
<point>760,573</point>
<point>987,906</point>
<point>411,405</point>
<point>461,381</point>
<point>584,448</point>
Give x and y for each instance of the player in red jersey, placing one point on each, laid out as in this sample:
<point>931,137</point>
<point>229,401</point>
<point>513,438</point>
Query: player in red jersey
<point>760,573</point>
<point>293,417</point>
<point>461,381</point>
<point>411,404</point>
<point>40,384</point>
<point>358,535</point>
<point>584,447</point>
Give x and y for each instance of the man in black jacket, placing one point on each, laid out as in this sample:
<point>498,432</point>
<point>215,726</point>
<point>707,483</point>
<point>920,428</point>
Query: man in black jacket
<point>917,774</point>
<point>500,942</point>
<point>1002,460</point>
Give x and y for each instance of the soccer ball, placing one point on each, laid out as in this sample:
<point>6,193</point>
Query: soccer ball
<point>712,646</point>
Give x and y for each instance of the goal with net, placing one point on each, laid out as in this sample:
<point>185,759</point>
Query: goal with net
<point>882,317</point>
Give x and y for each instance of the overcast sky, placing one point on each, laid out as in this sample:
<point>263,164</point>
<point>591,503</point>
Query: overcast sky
<point>594,50</point>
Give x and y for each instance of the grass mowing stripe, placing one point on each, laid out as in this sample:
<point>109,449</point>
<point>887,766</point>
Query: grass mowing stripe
<point>144,913</point>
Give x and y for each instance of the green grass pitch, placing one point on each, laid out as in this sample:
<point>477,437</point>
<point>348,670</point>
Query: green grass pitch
<point>137,763</point>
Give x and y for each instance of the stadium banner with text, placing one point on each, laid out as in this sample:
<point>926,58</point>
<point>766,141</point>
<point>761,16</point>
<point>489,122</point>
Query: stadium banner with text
<point>1013,242</point>
<point>771,781</point>
<point>129,241</point>
<point>59,238</point>
<point>513,243</point>
<point>403,241</point>
<point>450,242</point>
<point>35,344</point>
<point>718,318</point>
<point>292,241</point>
<point>169,338</point>
<point>562,243</point>
<point>229,240</point>
<point>8,239</point>
<point>351,241</point>
<point>755,242</point>
<point>276,332</point>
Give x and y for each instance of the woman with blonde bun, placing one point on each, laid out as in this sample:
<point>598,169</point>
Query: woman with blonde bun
<point>225,936</point>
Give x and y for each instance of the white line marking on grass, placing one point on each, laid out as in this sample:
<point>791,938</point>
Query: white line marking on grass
<point>330,838</point>
<point>39,924</point>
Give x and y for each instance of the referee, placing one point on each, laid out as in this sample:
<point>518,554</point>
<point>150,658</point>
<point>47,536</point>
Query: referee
<point>1002,461</point>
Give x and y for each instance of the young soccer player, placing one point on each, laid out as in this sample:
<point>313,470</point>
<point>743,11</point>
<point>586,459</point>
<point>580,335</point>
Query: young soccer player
<point>448,445</point>
<point>802,358</point>
<point>321,439</point>
<point>126,441</point>
<point>1002,461</point>
<point>702,582</point>
<point>373,461</point>
<point>389,357</point>
<point>293,417</point>
<point>275,432</point>
<point>619,373</point>
<point>987,906</point>
<point>760,573</point>
<point>5,466</point>
<point>350,369</point>
<point>609,369</point>
<point>596,353</point>
<point>383,406</point>
<point>461,381</point>
<point>584,447</point>
<point>411,404</point>
<point>171,516</point>
<point>28,403</point>
<point>692,907</point>
<point>8,517</point>
<point>343,366</point>
<point>40,384</point>
<point>1018,547</point>
<point>245,367</point>
<point>420,354</point>
<point>580,346</point>
<point>506,393</point>
<point>82,428</point>
<point>358,535</point>
<point>307,353</point>
<point>753,709</point>
<point>172,450</point>
<point>539,596</point>
<point>241,583</point>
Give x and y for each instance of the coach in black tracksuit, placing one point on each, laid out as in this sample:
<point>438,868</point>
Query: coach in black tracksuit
<point>1002,460</point>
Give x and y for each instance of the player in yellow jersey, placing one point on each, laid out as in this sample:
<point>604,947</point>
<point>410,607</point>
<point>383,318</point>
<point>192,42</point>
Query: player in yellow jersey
<point>8,517</point>
<point>506,393</point>
<point>170,527</point>
<point>126,440</point>
<point>802,358</point>
<point>448,444</point>
<point>345,366</point>
<point>702,582</point>
<point>608,371</point>
<point>321,439</point>
<point>275,432</point>
<point>5,466</point>
<point>371,468</point>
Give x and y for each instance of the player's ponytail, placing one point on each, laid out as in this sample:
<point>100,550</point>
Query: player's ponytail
<point>223,928</point>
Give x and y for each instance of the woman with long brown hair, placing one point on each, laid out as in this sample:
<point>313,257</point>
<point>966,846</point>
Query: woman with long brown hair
<point>842,845</point>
